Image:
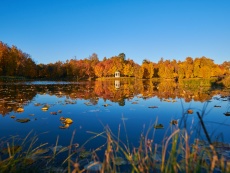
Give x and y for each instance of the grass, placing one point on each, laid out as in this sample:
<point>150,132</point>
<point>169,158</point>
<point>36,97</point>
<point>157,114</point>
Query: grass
<point>176,153</point>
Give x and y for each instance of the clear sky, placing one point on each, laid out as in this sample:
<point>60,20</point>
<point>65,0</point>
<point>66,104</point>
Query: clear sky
<point>52,30</point>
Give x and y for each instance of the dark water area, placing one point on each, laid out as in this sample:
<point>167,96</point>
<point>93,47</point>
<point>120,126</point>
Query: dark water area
<point>128,107</point>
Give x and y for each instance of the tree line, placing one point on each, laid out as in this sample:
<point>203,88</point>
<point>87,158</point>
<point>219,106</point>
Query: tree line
<point>14,62</point>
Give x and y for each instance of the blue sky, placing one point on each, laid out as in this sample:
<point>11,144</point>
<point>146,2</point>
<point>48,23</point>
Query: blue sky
<point>52,30</point>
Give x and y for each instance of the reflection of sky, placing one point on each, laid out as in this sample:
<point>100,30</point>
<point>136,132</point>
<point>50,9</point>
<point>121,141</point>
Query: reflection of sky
<point>137,118</point>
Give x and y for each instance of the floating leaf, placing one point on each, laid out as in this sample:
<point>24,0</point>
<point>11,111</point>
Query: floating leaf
<point>190,111</point>
<point>159,126</point>
<point>65,126</point>
<point>66,120</point>
<point>45,108</point>
<point>23,120</point>
<point>13,116</point>
<point>20,110</point>
<point>53,113</point>
<point>153,107</point>
<point>217,106</point>
<point>227,113</point>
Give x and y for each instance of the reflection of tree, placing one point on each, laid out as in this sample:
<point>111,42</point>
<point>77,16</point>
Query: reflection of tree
<point>14,96</point>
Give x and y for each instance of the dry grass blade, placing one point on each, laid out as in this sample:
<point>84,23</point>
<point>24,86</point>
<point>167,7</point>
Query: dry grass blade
<point>165,148</point>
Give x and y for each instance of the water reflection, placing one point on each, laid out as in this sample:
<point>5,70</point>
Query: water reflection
<point>14,96</point>
<point>129,110</point>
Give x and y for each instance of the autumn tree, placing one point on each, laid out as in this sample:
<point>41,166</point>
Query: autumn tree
<point>166,69</point>
<point>129,68</point>
<point>99,69</point>
<point>188,67</point>
<point>147,68</point>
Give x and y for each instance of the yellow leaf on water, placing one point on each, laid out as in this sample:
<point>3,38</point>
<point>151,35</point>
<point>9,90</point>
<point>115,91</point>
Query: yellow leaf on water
<point>20,110</point>
<point>68,121</point>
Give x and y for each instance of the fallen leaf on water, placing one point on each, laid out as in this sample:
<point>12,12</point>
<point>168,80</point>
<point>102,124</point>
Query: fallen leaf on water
<point>23,120</point>
<point>190,111</point>
<point>53,113</point>
<point>66,120</point>
<point>45,108</point>
<point>65,126</point>
<point>20,110</point>
<point>153,107</point>
<point>159,126</point>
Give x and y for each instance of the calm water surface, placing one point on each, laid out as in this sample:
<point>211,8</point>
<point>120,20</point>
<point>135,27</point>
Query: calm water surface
<point>124,104</point>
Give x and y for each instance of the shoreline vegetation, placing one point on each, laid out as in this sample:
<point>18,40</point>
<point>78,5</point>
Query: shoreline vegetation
<point>17,65</point>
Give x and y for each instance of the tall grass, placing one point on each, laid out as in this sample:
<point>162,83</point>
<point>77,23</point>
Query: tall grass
<point>176,153</point>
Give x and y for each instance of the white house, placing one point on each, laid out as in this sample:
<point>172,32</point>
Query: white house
<point>117,74</point>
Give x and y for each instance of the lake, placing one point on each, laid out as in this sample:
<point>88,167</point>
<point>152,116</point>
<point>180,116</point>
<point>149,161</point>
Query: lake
<point>128,107</point>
